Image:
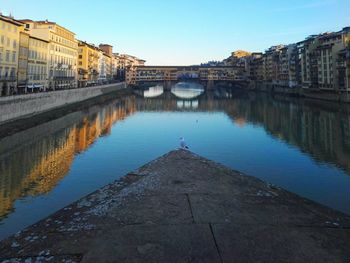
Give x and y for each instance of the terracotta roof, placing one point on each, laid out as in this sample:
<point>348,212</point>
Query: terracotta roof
<point>45,22</point>
<point>11,20</point>
<point>25,20</point>
<point>82,43</point>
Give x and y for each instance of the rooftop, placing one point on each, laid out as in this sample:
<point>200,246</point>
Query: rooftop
<point>11,20</point>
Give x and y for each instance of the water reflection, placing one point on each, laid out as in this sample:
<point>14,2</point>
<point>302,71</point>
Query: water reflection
<point>151,92</point>
<point>34,162</point>
<point>36,167</point>
<point>320,129</point>
<point>184,90</point>
<point>187,104</point>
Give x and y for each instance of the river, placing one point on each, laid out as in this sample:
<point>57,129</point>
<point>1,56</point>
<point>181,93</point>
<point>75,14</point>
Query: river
<point>300,145</point>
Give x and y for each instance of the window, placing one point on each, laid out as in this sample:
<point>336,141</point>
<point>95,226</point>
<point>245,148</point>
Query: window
<point>13,56</point>
<point>7,56</point>
<point>13,72</point>
<point>14,43</point>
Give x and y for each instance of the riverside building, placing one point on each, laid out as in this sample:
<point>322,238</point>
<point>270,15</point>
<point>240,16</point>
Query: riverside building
<point>9,49</point>
<point>88,64</point>
<point>325,61</point>
<point>22,72</point>
<point>62,52</point>
<point>37,72</point>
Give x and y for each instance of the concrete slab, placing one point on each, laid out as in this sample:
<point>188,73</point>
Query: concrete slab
<point>263,208</point>
<point>151,209</point>
<point>261,243</point>
<point>172,243</point>
<point>131,243</point>
<point>184,208</point>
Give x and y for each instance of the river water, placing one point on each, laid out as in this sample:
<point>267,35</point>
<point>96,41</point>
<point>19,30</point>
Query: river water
<point>300,145</point>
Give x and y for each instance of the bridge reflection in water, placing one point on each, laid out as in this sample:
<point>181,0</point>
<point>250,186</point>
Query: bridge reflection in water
<point>35,161</point>
<point>185,93</point>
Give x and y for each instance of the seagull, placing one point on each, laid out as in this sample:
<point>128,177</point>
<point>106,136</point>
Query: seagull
<point>183,144</point>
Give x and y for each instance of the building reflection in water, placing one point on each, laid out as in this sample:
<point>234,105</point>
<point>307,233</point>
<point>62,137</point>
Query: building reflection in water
<point>35,167</point>
<point>321,130</point>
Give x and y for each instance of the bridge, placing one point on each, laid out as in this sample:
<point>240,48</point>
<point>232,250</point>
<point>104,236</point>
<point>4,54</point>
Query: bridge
<point>143,74</point>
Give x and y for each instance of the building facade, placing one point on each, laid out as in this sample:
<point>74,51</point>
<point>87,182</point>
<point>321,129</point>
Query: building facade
<point>38,66</point>
<point>288,66</point>
<point>327,53</point>
<point>320,62</point>
<point>127,65</point>
<point>62,52</point>
<point>107,52</point>
<point>323,61</point>
<point>9,52</point>
<point>88,64</point>
<point>22,74</point>
<point>271,64</point>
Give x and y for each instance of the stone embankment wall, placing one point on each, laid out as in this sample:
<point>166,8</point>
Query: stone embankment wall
<point>313,94</point>
<point>20,106</point>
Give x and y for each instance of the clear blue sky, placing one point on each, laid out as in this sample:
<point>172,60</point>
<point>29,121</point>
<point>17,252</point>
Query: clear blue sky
<point>187,32</point>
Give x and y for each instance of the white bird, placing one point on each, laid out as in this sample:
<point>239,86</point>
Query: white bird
<point>183,144</point>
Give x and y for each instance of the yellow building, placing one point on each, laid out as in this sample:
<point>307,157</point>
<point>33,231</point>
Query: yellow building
<point>37,72</point>
<point>9,47</point>
<point>88,64</point>
<point>62,54</point>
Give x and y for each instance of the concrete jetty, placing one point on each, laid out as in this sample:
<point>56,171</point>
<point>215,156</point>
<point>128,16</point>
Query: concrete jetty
<point>184,208</point>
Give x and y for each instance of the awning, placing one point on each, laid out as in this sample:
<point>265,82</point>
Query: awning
<point>63,85</point>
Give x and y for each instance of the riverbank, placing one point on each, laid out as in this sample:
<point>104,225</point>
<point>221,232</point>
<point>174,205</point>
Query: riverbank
<point>317,94</point>
<point>27,105</point>
<point>28,121</point>
<point>184,208</point>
